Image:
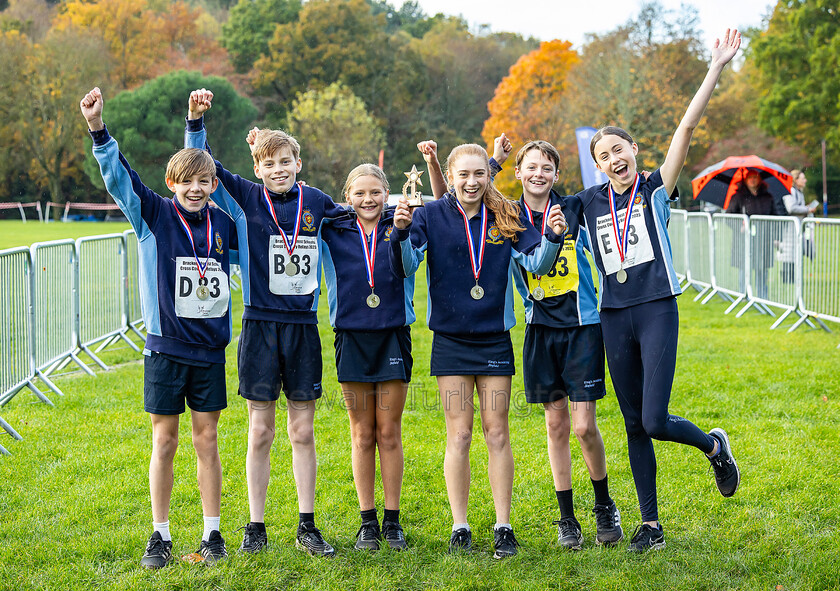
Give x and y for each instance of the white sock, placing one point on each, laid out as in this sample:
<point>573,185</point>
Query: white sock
<point>498,525</point>
<point>163,530</point>
<point>210,524</point>
<point>457,526</point>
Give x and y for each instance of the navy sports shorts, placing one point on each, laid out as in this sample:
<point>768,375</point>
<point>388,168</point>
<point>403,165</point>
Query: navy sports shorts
<point>472,355</point>
<point>373,356</point>
<point>560,362</point>
<point>168,385</point>
<point>274,356</point>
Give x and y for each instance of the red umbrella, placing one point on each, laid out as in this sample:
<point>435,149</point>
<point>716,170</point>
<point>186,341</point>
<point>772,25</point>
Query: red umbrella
<point>717,183</point>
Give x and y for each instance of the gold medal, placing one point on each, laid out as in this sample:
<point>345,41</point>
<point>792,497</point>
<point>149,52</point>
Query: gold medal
<point>202,292</point>
<point>538,293</point>
<point>477,292</point>
<point>291,269</point>
<point>621,276</point>
<point>372,300</point>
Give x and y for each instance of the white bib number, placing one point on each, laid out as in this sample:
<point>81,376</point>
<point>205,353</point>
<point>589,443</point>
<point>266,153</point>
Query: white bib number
<point>293,274</point>
<point>188,284</point>
<point>639,248</point>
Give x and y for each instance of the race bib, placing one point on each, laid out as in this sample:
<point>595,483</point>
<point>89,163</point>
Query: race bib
<point>200,297</point>
<point>639,247</point>
<point>293,274</point>
<point>563,277</point>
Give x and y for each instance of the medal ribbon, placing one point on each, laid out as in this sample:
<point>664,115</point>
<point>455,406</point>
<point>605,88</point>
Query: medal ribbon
<point>202,269</point>
<point>370,253</point>
<point>621,242</point>
<point>476,265</point>
<point>290,248</point>
<point>531,219</point>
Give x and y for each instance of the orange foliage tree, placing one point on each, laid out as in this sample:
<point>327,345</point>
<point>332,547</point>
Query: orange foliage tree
<point>528,104</point>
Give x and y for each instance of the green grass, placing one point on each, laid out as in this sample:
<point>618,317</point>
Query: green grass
<point>16,233</point>
<point>75,510</point>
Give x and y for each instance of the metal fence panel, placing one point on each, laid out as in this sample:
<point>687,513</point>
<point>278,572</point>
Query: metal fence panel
<point>134,310</point>
<point>821,269</point>
<point>731,256</point>
<point>16,368</point>
<point>53,310</point>
<point>678,234</point>
<point>700,252</point>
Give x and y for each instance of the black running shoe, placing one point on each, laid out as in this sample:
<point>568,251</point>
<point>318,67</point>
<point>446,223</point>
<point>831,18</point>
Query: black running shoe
<point>367,538</point>
<point>254,540</point>
<point>392,533</point>
<point>608,524</point>
<point>158,553</point>
<point>213,550</point>
<point>568,533</point>
<point>460,541</point>
<point>309,539</point>
<point>504,542</point>
<point>727,475</point>
<point>647,538</point>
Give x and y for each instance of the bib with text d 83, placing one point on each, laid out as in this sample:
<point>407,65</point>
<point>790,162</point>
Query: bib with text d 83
<point>639,248</point>
<point>303,261</point>
<point>563,277</point>
<point>187,283</point>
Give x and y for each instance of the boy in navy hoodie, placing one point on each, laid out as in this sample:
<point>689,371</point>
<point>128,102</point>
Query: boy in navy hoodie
<point>185,296</point>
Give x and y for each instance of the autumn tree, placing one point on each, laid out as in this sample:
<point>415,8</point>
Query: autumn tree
<point>336,134</point>
<point>148,122</point>
<point>796,86</point>
<point>30,17</point>
<point>39,102</point>
<point>250,27</point>
<point>146,38</point>
<point>529,104</point>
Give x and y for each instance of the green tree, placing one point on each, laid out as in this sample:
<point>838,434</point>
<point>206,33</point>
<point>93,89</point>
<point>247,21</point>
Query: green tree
<point>149,124</point>
<point>336,133</point>
<point>796,63</point>
<point>39,103</point>
<point>250,27</point>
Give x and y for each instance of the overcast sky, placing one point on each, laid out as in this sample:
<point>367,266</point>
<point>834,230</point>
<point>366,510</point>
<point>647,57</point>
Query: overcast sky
<point>572,19</point>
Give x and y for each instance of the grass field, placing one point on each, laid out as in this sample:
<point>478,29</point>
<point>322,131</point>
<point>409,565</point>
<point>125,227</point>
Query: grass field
<point>75,512</point>
<point>16,233</point>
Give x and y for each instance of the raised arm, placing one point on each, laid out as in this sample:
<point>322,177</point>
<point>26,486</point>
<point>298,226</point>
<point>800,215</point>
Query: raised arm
<point>91,106</point>
<point>200,101</point>
<point>722,54</point>
<point>438,184</point>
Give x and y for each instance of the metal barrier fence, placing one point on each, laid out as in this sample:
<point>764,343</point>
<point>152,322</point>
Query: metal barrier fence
<point>134,309</point>
<point>101,293</point>
<point>820,272</point>
<point>731,257</point>
<point>678,234</point>
<point>699,272</point>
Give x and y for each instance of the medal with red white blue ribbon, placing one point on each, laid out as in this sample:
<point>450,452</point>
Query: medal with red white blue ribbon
<point>370,260</point>
<point>202,291</point>
<point>622,235</point>
<point>476,261</point>
<point>291,267</point>
<point>539,292</point>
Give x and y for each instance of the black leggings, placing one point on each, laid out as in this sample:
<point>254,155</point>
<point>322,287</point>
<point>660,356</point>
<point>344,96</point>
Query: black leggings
<point>641,345</point>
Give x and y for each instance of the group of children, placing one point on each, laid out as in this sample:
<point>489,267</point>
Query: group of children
<point>479,247</point>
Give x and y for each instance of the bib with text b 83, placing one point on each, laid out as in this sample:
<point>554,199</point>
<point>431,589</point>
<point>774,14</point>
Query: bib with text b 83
<point>563,277</point>
<point>293,274</point>
<point>639,248</point>
<point>188,304</point>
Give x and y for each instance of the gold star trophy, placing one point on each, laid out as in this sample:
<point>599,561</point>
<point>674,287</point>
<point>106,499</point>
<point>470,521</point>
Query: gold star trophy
<point>415,197</point>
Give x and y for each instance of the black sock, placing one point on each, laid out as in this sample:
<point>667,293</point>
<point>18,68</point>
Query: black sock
<point>564,498</point>
<point>392,515</point>
<point>369,515</point>
<point>307,517</point>
<point>259,525</point>
<point>602,491</point>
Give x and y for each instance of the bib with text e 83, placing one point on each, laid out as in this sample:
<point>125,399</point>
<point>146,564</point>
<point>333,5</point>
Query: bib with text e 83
<point>639,247</point>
